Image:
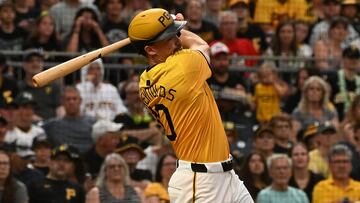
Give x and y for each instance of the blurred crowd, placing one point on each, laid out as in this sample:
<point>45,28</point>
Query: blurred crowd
<point>292,118</point>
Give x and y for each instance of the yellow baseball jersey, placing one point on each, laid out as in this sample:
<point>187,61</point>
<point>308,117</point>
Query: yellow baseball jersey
<point>267,102</point>
<point>177,95</point>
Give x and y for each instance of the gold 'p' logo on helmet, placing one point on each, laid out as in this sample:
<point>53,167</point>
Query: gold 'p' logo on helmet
<point>164,19</point>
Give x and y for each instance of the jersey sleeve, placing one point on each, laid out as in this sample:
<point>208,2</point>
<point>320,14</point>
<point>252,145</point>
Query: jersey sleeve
<point>195,65</point>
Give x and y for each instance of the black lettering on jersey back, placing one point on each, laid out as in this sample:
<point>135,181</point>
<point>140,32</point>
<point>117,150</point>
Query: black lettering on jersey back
<point>171,93</point>
<point>162,92</point>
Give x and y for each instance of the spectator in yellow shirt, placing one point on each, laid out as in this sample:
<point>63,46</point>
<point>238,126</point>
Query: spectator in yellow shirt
<point>340,188</point>
<point>269,13</point>
<point>268,93</point>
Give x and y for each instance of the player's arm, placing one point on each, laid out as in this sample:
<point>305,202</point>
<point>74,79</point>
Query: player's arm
<point>190,40</point>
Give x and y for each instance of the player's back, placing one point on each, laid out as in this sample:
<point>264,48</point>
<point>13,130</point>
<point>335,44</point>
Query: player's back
<point>177,94</point>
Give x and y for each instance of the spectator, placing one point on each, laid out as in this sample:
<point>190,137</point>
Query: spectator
<point>24,132</point>
<point>20,167</point>
<point>113,183</point>
<point>238,146</point>
<point>57,187</point>
<point>302,32</point>
<point>247,29</point>
<point>268,93</point>
<point>281,125</point>
<point>345,84</point>
<point>11,36</point>
<point>44,35</point>
<point>264,141</point>
<point>47,98</point>
<point>229,91</point>
<point>3,130</point>
<point>105,135</point>
<point>314,105</point>
<point>78,171</point>
<point>254,173</point>
<point>131,8</point>
<point>213,10</point>
<point>340,187</point>
<point>284,44</point>
<point>349,9</point>
<point>352,119</point>
<point>99,99</point>
<point>302,177</point>
<point>11,190</point>
<point>356,153</point>
<point>177,6</point>
<point>64,13</point>
<point>269,13</point>
<point>228,22</point>
<point>8,86</point>
<point>131,151</point>
<point>320,31</point>
<point>86,33</point>
<point>156,192</point>
<point>279,166</point>
<point>44,6</point>
<point>326,138</point>
<point>295,92</point>
<point>115,29</point>
<point>114,26</point>
<point>137,121</point>
<point>350,133</point>
<point>331,47</point>
<point>309,136</point>
<point>196,24</point>
<point>74,128</point>
<point>221,77</point>
<point>42,149</point>
<point>25,15</point>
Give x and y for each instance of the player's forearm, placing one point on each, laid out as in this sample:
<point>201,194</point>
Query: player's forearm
<point>190,40</point>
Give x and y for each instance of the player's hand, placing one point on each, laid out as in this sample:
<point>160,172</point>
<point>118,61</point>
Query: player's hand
<point>179,17</point>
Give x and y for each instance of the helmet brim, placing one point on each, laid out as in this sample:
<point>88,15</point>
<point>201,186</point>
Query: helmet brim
<point>170,31</point>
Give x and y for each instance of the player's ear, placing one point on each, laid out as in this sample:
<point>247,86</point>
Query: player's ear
<point>150,50</point>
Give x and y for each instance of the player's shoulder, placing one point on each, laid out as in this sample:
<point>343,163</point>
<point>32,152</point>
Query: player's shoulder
<point>187,53</point>
<point>186,56</point>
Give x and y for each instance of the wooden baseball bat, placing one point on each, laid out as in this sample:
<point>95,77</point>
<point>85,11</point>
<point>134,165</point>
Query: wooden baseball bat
<point>63,69</point>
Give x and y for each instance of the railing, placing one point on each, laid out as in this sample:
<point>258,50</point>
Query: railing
<point>237,65</point>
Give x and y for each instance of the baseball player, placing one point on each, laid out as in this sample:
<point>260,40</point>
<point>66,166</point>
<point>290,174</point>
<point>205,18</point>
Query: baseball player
<point>175,91</point>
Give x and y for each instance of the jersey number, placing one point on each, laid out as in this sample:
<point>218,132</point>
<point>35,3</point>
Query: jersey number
<point>161,107</point>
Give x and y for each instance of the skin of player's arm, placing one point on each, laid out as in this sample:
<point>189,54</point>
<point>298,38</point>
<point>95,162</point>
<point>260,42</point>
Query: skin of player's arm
<point>190,40</point>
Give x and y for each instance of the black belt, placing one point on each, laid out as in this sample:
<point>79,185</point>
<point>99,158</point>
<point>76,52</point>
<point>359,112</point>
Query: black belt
<point>201,168</point>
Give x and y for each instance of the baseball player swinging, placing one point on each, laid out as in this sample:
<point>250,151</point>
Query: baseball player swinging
<point>175,91</point>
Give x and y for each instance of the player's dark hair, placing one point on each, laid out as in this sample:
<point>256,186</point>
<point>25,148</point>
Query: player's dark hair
<point>158,177</point>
